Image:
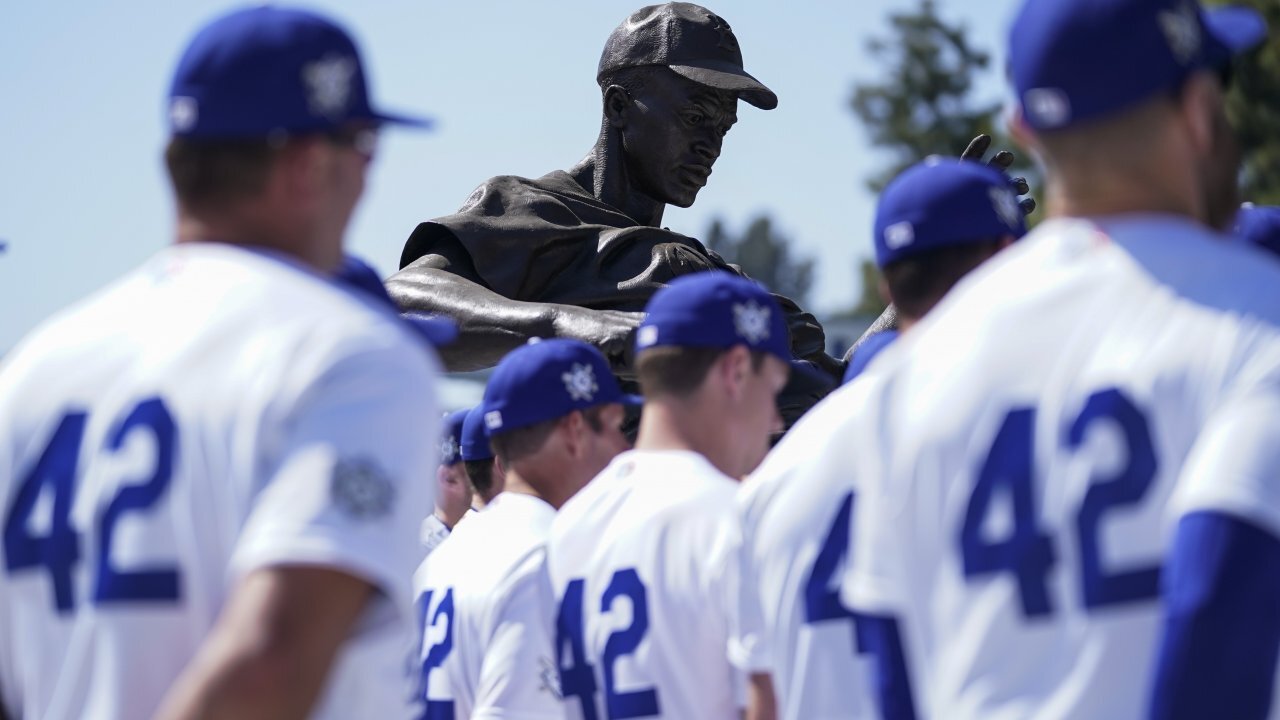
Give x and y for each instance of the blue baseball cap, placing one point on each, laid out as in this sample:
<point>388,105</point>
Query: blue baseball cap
<point>265,70</point>
<point>451,443</point>
<point>1078,60</point>
<point>1259,225</point>
<point>941,202</point>
<point>717,309</point>
<point>475,443</point>
<point>548,379</point>
<point>355,274</point>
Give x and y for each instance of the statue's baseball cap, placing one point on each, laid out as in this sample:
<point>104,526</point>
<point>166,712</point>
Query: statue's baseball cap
<point>1072,61</point>
<point>269,70</point>
<point>944,202</point>
<point>545,380</point>
<point>475,442</point>
<point>717,309</point>
<point>691,40</point>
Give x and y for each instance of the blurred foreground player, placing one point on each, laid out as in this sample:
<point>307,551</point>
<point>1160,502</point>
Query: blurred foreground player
<point>554,414</point>
<point>1023,458</point>
<point>934,223</point>
<point>643,560</point>
<point>212,472</point>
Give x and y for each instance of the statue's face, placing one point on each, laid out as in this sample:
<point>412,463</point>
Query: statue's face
<point>673,135</point>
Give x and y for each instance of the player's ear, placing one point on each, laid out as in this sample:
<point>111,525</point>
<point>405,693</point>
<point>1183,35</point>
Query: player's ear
<point>617,106</point>
<point>573,428</point>
<point>735,365</point>
<point>1199,104</point>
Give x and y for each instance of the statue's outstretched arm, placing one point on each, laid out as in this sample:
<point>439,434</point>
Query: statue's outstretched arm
<point>491,325</point>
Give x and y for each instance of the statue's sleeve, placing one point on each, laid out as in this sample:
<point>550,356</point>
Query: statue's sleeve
<point>431,238</point>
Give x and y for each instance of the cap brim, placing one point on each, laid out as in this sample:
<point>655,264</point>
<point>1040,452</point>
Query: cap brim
<point>727,76</point>
<point>409,121</point>
<point>438,331</point>
<point>1237,29</point>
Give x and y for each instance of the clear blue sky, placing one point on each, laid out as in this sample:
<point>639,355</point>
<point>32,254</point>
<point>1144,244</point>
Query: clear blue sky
<point>83,197</point>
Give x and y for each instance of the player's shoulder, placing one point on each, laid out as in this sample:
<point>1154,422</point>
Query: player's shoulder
<point>1203,267</point>
<point>817,456</point>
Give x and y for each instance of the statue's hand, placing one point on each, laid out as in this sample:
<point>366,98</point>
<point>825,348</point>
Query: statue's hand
<point>612,331</point>
<point>1000,161</point>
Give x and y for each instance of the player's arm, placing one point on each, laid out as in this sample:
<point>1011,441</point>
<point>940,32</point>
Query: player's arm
<point>271,648</point>
<point>762,704</point>
<point>1221,625</point>
<point>491,325</point>
<point>1221,577</point>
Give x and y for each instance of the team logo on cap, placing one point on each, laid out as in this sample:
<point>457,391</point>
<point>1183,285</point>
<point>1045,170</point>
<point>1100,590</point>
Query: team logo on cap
<point>580,382</point>
<point>183,113</point>
<point>328,84</point>
<point>1006,206</point>
<point>493,419</point>
<point>448,449</point>
<point>727,39</point>
<point>1049,106</point>
<point>899,235</point>
<point>751,319</point>
<point>1181,29</point>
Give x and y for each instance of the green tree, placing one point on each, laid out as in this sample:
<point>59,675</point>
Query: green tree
<point>1253,104</point>
<point>922,101</point>
<point>765,255</point>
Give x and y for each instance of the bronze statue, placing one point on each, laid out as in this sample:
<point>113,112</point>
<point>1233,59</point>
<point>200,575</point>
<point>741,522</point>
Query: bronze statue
<point>578,253</point>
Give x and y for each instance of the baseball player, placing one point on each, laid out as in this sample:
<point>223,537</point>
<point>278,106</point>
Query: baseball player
<point>934,223</point>
<point>643,560</point>
<point>211,472</point>
<point>1061,475</point>
<point>486,475</point>
<point>554,412</point>
<point>453,490</point>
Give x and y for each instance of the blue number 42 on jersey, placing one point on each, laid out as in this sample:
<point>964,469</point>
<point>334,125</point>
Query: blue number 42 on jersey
<point>57,548</point>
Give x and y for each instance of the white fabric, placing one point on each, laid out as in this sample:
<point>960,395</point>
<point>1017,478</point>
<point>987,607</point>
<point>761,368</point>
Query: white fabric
<point>788,517</point>
<point>1177,320</point>
<point>501,663</point>
<point>299,415</point>
<point>669,517</point>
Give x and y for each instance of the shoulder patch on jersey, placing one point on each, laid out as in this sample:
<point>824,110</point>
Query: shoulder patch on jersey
<point>361,489</point>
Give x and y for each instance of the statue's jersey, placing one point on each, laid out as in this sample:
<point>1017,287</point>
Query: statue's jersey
<point>1021,458</point>
<point>486,615</point>
<point>792,625</point>
<point>214,412</point>
<point>643,565</point>
<point>549,240</point>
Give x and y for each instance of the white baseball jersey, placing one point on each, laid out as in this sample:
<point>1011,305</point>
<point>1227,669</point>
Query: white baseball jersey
<point>1015,458</point>
<point>643,565</point>
<point>795,529</point>
<point>486,616</point>
<point>214,412</point>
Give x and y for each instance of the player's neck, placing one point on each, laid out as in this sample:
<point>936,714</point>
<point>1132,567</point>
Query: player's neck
<point>1118,191</point>
<point>243,229</point>
<point>667,426</point>
<point>516,483</point>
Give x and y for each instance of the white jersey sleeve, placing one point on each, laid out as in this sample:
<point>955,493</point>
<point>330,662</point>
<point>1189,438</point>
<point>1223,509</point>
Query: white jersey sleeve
<point>1234,468</point>
<point>517,674</point>
<point>353,484</point>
